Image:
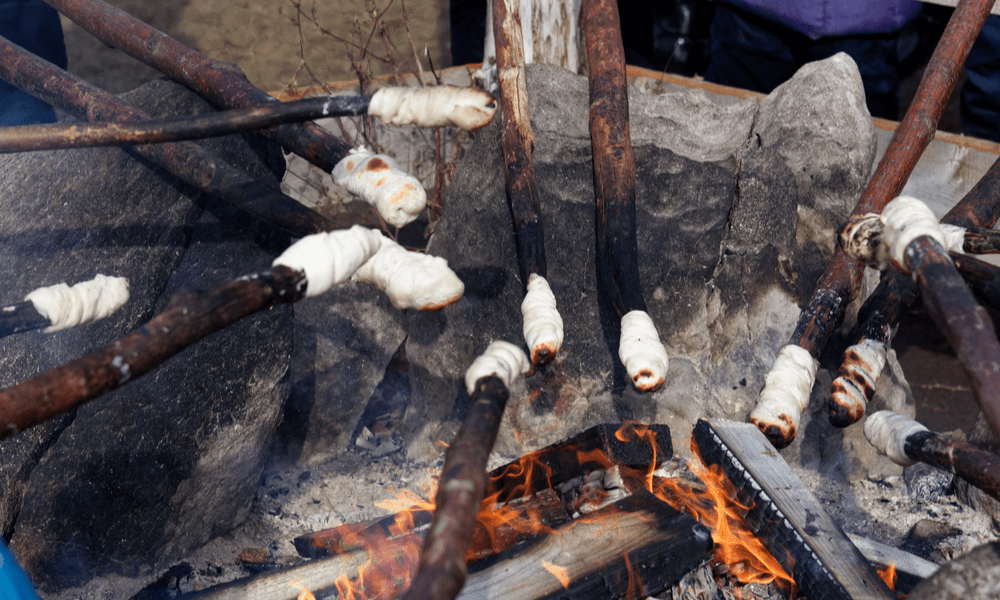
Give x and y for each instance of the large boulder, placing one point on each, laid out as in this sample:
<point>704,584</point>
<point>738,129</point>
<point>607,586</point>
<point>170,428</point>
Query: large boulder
<point>154,469</point>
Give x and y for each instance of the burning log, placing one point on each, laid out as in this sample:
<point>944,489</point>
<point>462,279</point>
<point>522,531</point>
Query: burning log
<point>652,547</point>
<point>466,108</point>
<point>634,446</point>
<point>60,306</point>
<point>186,160</point>
<point>542,325</point>
<point>780,403</point>
<point>854,386</point>
<point>442,573</point>
<point>906,442</point>
<point>308,268</point>
<point>793,525</point>
<point>640,350</point>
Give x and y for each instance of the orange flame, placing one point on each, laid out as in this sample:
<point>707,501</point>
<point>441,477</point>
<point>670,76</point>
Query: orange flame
<point>888,575</point>
<point>560,573</point>
<point>719,510</point>
<point>304,593</point>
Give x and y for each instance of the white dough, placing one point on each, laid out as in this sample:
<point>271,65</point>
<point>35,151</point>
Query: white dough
<point>87,301</point>
<point>377,179</point>
<point>433,106</point>
<point>887,431</point>
<point>905,220</point>
<point>330,258</point>
<point>954,238</point>
<point>641,352</point>
<point>411,279</point>
<point>541,324</point>
<point>503,359</point>
<point>786,388</point>
<point>864,362</point>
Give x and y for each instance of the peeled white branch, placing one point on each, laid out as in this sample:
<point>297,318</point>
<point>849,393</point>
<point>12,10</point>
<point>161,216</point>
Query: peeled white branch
<point>377,179</point>
<point>85,302</point>
<point>434,106</point>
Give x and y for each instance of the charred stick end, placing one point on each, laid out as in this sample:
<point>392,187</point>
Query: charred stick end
<point>785,395</point>
<point>979,240</point>
<point>854,386</point>
<point>641,351</point>
<point>861,239</point>
<point>19,317</point>
<point>542,325</point>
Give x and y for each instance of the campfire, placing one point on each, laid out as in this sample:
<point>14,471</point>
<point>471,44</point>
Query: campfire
<point>490,414</point>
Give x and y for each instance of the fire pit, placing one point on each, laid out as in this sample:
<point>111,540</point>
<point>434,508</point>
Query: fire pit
<point>707,239</point>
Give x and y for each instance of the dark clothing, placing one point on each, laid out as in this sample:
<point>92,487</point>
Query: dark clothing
<point>756,53</point>
<point>981,93</point>
<point>34,26</point>
<point>826,18</point>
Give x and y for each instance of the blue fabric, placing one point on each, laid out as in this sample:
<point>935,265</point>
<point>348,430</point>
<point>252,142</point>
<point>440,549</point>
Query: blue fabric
<point>756,53</point>
<point>34,26</point>
<point>14,584</point>
<point>981,93</point>
<point>823,18</point>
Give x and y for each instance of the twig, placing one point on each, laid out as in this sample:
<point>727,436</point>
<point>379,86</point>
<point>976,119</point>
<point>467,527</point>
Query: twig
<point>614,184</point>
<point>20,317</point>
<point>56,136</point>
<point>221,83</point>
<point>840,281</point>
<point>442,570</point>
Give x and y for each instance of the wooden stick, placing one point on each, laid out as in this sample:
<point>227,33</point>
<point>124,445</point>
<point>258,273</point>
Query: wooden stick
<point>792,524</point>
<point>20,317</point>
<point>905,441</point>
<point>614,185</point>
<point>542,325</point>
<point>221,83</point>
<point>840,281</point>
<point>189,319</point>
<point>442,570</point>
<point>982,278</point>
<point>897,294</point>
<point>58,136</point>
<point>186,160</point>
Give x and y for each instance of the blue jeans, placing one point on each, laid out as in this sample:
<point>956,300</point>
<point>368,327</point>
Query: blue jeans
<point>754,53</point>
<point>981,93</point>
<point>34,26</point>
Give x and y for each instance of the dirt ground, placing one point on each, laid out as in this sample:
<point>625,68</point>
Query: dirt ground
<point>277,43</point>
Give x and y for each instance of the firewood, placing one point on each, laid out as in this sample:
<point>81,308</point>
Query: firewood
<point>186,160</point>
<point>617,252</point>
<point>840,281</point>
<point>905,441</point>
<point>792,524</point>
<point>543,327</point>
<point>638,545</point>
<point>442,570</point>
<point>854,386</point>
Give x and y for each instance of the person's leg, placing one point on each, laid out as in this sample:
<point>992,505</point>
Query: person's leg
<point>748,51</point>
<point>878,62</point>
<point>981,93</point>
<point>34,26</point>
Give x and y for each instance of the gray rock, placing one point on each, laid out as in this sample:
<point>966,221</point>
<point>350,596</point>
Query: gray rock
<point>975,576</point>
<point>158,467</point>
<point>733,208</point>
<point>982,437</point>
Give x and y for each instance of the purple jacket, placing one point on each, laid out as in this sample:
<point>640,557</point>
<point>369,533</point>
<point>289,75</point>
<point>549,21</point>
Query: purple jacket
<point>819,18</point>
